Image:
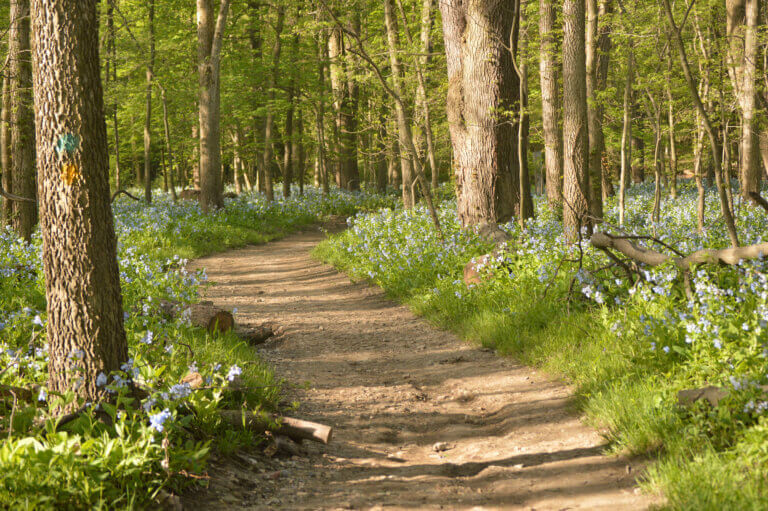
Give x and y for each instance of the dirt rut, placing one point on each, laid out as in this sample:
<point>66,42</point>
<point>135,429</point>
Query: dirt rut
<point>422,420</point>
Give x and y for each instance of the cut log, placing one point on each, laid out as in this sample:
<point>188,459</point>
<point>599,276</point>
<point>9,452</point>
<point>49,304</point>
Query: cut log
<point>295,429</point>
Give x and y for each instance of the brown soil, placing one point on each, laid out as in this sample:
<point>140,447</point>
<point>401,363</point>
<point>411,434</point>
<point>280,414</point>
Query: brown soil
<point>393,387</point>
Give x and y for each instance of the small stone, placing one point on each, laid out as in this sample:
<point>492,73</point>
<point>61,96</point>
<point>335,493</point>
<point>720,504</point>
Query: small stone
<point>441,447</point>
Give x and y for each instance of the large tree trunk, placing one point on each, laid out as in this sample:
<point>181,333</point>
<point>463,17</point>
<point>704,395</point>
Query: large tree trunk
<point>403,126</point>
<point>22,120</point>
<point>148,113</point>
<point>671,123</point>
<point>598,52</point>
<point>84,302</point>
<point>481,84</point>
<point>5,147</point>
<point>743,17</point>
<point>575,127</point>
<point>270,121</point>
<point>550,104</point>
<point>210,32</point>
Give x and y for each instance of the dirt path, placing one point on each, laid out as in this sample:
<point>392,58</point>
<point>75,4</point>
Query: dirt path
<point>393,387</point>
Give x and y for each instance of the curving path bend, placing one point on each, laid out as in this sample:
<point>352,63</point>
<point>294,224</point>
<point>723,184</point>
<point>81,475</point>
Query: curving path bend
<point>393,387</point>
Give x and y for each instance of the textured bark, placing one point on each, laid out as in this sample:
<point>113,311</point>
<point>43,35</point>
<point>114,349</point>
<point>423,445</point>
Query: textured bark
<point>575,128</point>
<point>84,302</point>
<point>148,112</point>
<point>270,120</point>
<point>550,104</point>
<point>210,32</point>
<point>5,147</point>
<point>598,50</point>
<point>403,126</point>
<point>482,83</point>
<point>743,18</point>
<point>24,214</point>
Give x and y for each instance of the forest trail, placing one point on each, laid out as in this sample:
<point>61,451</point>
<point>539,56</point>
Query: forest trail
<point>392,386</point>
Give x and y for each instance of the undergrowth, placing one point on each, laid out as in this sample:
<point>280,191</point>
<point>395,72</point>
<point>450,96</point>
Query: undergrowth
<point>163,440</point>
<point>628,346</point>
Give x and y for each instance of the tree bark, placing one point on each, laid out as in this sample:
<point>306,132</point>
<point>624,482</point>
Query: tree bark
<point>22,120</point>
<point>575,128</point>
<point>550,104</point>
<point>403,126</point>
<point>520,62</point>
<point>5,147</point>
<point>113,79</point>
<point>626,135</point>
<point>743,18</point>
<point>210,32</point>
<point>671,125</point>
<point>84,302</point>
<point>167,132</point>
<point>269,123</point>
<point>598,52</point>
<point>481,84</point>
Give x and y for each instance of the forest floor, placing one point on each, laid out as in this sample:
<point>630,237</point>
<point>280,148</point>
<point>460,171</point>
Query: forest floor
<point>422,419</point>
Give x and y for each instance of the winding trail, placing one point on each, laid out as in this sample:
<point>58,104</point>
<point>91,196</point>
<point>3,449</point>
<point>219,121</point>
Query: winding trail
<point>393,386</point>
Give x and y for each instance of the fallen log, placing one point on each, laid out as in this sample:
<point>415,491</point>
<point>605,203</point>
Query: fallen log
<point>295,429</point>
<point>726,256</point>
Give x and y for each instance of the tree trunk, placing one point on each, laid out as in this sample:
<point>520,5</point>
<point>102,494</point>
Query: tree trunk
<point>5,147</point>
<point>520,61</point>
<point>403,126</point>
<point>724,205</point>
<point>112,77</point>
<point>550,104</point>
<point>299,152</point>
<point>269,123</point>
<point>210,32</point>
<point>481,84</point>
<point>167,132</point>
<point>22,120</point>
<point>84,302</point>
<point>598,52</point>
<point>626,135</point>
<point>289,140</point>
<point>148,114</point>
<point>742,23</point>
<point>671,122</point>
<point>575,128</point>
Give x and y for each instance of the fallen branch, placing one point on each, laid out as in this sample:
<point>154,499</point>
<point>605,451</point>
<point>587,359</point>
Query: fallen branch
<point>123,192</point>
<point>726,256</point>
<point>758,200</point>
<point>713,395</point>
<point>295,429</point>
